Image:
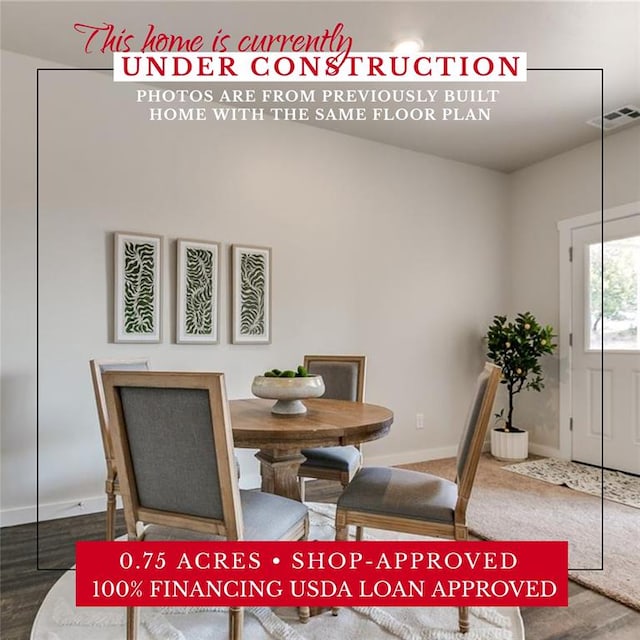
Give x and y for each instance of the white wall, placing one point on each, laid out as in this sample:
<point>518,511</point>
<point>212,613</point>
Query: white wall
<point>376,250</point>
<point>562,187</point>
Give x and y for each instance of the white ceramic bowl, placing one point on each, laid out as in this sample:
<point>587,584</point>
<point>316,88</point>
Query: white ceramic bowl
<point>288,392</point>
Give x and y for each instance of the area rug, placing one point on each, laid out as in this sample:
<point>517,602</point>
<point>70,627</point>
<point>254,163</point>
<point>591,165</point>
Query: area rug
<point>604,547</point>
<point>618,486</point>
<point>59,618</point>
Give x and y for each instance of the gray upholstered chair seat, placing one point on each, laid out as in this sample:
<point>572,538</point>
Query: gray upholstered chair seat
<point>342,458</point>
<point>269,517</point>
<point>403,493</point>
<point>266,517</point>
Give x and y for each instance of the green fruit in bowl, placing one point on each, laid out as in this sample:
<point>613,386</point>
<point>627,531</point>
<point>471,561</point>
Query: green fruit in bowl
<point>300,372</point>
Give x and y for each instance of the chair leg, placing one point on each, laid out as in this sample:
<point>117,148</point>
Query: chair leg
<point>359,533</point>
<point>342,533</point>
<point>236,619</point>
<point>302,484</point>
<point>462,533</point>
<point>463,619</point>
<point>304,613</point>
<point>111,515</point>
<point>133,615</point>
<point>342,526</point>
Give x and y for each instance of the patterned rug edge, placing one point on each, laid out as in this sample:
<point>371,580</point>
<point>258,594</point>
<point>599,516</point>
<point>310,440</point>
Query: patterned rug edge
<point>619,487</point>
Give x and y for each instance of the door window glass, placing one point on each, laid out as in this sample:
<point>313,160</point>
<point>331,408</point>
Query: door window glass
<point>614,300</point>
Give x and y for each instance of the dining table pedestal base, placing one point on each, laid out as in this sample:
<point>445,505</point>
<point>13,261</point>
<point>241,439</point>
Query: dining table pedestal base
<point>279,471</point>
<point>280,439</point>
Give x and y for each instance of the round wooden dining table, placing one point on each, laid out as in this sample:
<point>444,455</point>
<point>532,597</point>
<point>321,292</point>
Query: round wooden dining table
<point>280,438</point>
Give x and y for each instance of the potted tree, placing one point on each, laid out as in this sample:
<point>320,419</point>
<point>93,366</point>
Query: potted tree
<point>516,347</point>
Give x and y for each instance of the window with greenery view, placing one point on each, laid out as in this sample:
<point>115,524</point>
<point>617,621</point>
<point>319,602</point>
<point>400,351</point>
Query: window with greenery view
<point>614,294</point>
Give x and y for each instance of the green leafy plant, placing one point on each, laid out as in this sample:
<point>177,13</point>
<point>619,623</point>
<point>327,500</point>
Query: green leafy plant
<point>300,372</point>
<point>516,347</point>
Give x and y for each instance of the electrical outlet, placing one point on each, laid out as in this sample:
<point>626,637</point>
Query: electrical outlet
<point>419,420</point>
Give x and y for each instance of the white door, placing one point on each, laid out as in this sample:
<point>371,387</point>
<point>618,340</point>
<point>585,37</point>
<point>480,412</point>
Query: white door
<point>605,310</point>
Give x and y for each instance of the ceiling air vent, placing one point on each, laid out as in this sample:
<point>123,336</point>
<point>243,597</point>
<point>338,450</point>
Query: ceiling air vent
<point>618,118</point>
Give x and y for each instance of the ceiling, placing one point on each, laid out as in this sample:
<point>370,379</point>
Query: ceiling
<point>529,121</point>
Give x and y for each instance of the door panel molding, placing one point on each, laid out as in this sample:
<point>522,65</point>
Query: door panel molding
<point>565,230</point>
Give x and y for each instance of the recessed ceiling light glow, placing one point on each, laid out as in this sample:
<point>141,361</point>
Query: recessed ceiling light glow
<point>411,45</point>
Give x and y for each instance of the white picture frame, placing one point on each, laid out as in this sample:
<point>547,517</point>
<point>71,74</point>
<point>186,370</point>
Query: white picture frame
<point>250,294</point>
<point>198,292</point>
<point>137,292</point>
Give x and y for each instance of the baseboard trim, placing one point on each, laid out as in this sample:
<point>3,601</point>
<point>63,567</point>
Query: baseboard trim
<point>53,511</point>
<point>81,506</point>
<point>407,457</point>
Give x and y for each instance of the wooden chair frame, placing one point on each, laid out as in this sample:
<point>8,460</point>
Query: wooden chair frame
<point>457,530</point>
<point>111,486</point>
<point>230,525</point>
<point>322,473</point>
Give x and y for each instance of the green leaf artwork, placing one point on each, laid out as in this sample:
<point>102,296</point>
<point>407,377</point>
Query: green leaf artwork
<point>252,294</point>
<point>139,288</point>
<point>199,291</point>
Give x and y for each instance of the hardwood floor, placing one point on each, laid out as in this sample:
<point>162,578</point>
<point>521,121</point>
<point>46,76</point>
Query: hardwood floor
<point>23,583</point>
<point>589,615</point>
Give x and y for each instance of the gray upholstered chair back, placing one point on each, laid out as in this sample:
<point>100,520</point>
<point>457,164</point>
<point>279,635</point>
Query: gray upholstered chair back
<point>340,379</point>
<point>475,429</point>
<point>343,376</point>
<point>172,450</point>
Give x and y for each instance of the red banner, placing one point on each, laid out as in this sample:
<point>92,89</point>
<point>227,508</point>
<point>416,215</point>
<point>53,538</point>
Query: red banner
<point>374,573</point>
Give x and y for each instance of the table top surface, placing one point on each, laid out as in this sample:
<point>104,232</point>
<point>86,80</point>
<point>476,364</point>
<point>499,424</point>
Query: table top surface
<point>326,423</point>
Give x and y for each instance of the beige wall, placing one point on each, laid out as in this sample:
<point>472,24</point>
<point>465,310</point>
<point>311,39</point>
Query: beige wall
<point>562,187</point>
<point>376,250</point>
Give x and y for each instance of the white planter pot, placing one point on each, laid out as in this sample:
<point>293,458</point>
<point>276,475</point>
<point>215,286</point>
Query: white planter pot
<point>509,446</point>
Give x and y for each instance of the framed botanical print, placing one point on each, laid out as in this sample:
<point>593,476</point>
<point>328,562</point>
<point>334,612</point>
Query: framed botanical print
<point>251,294</point>
<point>137,262</point>
<point>198,285</point>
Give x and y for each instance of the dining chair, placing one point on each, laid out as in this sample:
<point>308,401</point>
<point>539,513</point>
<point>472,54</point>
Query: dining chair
<point>344,378</point>
<point>419,503</point>
<point>173,447</point>
<point>112,487</point>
